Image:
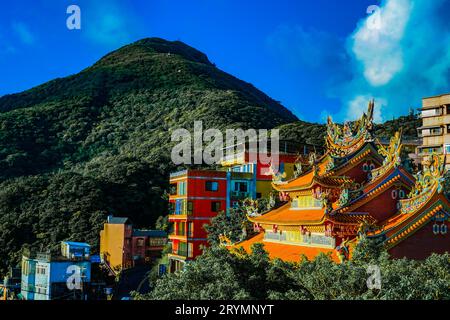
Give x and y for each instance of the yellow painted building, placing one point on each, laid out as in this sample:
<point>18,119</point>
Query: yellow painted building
<point>435,129</point>
<point>112,241</point>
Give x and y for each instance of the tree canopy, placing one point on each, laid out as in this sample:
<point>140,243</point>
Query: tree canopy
<point>221,274</point>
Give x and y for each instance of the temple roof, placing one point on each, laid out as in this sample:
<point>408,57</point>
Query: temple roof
<point>342,165</point>
<point>309,180</point>
<point>285,252</point>
<point>425,200</point>
<point>329,172</point>
<point>401,226</point>
<point>388,174</point>
<point>315,176</point>
<point>285,215</point>
<point>389,178</point>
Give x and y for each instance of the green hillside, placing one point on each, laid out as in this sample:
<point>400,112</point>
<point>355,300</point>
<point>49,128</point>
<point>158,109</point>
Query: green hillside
<point>78,148</point>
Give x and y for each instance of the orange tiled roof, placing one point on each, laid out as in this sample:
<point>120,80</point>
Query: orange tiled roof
<point>307,182</point>
<point>285,252</point>
<point>351,218</point>
<point>400,226</point>
<point>305,179</point>
<point>284,215</point>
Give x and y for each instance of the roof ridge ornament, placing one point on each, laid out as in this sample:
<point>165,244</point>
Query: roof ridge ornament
<point>277,177</point>
<point>428,181</point>
<point>342,140</point>
<point>432,175</point>
<point>391,154</point>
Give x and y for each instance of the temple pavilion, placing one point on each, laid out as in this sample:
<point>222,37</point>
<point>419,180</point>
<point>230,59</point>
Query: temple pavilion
<point>357,187</point>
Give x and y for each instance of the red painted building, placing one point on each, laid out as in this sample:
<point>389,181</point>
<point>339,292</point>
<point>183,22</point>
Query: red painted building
<point>196,196</point>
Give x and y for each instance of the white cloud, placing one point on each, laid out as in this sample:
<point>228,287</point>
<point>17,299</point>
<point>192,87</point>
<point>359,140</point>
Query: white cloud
<point>359,104</point>
<point>377,47</point>
<point>405,59</point>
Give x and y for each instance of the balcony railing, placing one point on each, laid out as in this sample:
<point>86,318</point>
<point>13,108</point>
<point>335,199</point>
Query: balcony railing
<point>430,133</point>
<point>240,194</point>
<point>181,252</point>
<point>431,113</point>
<point>426,152</point>
<point>184,212</point>
<point>178,173</point>
<point>179,233</point>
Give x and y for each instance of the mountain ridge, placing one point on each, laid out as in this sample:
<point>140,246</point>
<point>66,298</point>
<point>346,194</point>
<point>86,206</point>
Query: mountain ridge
<point>76,149</point>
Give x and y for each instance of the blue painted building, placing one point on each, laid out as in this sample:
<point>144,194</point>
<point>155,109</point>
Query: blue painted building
<point>54,277</point>
<point>241,184</point>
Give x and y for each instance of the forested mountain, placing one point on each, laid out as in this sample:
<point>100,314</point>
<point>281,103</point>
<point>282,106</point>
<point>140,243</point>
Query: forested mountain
<point>76,149</point>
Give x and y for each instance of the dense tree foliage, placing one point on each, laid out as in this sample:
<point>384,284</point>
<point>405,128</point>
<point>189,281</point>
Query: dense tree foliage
<point>314,133</point>
<point>234,224</point>
<point>219,274</point>
<point>408,124</point>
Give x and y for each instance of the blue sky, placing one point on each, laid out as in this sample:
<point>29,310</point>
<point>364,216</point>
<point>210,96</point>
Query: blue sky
<point>316,57</point>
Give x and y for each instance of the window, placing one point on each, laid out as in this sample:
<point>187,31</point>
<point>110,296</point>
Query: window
<point>190,229</point>
<point>140,242</point>
<point>306,202</point>
<point>41,290</point>
<point>190,250</point>
<point>181,229</point>
<point>431,132</point>
<point>435,131</point>
<point>240,186</point>
<point>182,188</point>
<point>431,150</point>
<point>368,166</point>
<point>190,207</point>
<point>431,112</point>
<point>447,149</point>
<point>40,270</point>
<point>157,242</point>
<point>212,186</point>
<point>182,249</point>
<point>215,206</point>
<point>179,207</point>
